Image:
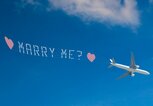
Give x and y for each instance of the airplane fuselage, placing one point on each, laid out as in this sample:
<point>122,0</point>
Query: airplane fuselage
<point>124,67</point>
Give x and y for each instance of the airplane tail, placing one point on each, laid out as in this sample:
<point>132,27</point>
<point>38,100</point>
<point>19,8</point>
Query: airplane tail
<point>112,62</point>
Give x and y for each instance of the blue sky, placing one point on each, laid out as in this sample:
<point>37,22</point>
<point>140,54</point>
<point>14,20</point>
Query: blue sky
<point>107,28</point>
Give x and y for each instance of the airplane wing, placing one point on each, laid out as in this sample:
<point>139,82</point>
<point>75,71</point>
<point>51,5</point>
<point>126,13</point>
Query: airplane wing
<point>133,65</point>
<point>124,75</point>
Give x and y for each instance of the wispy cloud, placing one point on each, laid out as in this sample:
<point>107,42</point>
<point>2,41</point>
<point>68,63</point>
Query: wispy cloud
<point>151,1</point>
<point>112,12</point>
<point>24,3</point>
<point>31,2</point>
<point>108,11</point>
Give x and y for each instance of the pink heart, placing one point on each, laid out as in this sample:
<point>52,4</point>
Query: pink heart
<point>9,42</point>
<point>91,57</point>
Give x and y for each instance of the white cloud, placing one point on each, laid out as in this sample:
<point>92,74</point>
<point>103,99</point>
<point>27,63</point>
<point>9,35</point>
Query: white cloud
<point>30,2</point>
<point>114,12</point>
<point>151,1</point>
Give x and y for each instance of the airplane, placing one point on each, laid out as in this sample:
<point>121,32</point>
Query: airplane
<point>131,70</point>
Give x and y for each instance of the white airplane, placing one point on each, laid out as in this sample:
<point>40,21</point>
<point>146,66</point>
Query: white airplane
<point>133,68</point>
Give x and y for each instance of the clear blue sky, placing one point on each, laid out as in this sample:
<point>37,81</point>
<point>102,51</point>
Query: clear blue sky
<point>35,81</point>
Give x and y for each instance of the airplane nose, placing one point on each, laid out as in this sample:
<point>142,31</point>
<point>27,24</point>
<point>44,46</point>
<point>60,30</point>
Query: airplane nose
<point>148,73</point>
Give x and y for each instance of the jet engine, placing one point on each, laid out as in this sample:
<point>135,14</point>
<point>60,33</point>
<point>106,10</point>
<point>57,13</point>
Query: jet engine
<point>137,66</point>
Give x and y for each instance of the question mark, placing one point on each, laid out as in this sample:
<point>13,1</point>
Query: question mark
<point>80,54</point>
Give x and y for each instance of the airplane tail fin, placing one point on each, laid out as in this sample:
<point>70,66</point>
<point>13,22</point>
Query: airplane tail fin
<point>112,62</point>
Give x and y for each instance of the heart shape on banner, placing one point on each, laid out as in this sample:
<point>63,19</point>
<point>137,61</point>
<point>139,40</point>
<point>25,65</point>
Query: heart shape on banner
<point>91,57</point>
<point>9,42</point>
